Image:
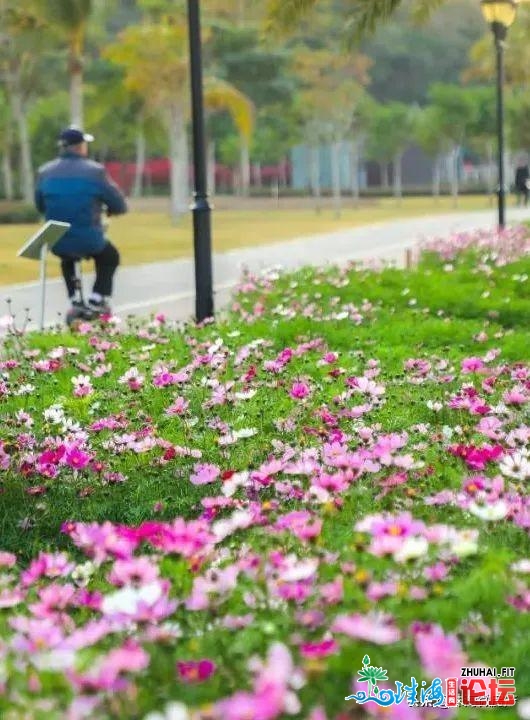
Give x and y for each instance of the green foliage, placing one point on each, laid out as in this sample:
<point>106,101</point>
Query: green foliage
<point>408,57</point>
<point>456,111</point>
<point>518,112</point>
<point>390,131</point>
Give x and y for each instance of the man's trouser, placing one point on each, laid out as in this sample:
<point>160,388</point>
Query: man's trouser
<point>106,263</point>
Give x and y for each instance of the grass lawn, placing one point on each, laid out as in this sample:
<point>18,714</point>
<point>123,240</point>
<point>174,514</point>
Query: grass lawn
<point>146,236</point>
<point>336,469</point>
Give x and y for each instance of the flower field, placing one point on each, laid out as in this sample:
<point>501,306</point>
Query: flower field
<point>221,523</point>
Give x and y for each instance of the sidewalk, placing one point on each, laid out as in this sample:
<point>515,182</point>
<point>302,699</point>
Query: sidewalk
<point>168,287</point>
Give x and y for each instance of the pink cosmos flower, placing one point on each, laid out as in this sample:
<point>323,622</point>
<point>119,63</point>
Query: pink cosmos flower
<point>389,532</point>
<point>47,565</point>
<point>437,572</point>
<point>195,671</point>
<point>440,655</point>
<point>178,407</point>
<point>378,590</point>
<point>7,559</point>
<point>300,522</point>
<point>82,386</point>
<point>299,390</point>
<point>35,635</point>
<point>472,365</point>
<point>204,474</point>
<point>101,541</point>
<point>186,539</point>
<point>491,427</point>
<point>374,627</point>
<point>53,601</point>
<point>332,592</point>
<point>214,584</point>
<point>108,673</point>
<point>516,396</point>
<point>136,571</point>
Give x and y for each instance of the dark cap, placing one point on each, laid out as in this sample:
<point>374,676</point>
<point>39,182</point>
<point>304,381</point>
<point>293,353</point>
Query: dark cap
<point>73,136</point>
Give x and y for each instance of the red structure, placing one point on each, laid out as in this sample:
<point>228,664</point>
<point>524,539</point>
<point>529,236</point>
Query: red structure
<point>156,173</point>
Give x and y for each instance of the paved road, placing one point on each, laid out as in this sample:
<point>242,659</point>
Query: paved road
<point>169,286</point>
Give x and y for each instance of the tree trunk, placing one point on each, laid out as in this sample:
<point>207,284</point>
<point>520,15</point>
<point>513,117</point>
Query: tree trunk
<point>26,168</point>
<point>211,168</point>
<point>244,163</point>
<point>139,162</point>
<point>455,154</point>
<point>354,171</point>
<point>178,158</point>
<point>75,69</point>
<point>384,176</point>
<point>398,184</point>
<point>314,160</point>
<point>76,98</point>
<point>335,177</point>
<point>7,173</point>
<point>436,178</point>
<point>257,175</point>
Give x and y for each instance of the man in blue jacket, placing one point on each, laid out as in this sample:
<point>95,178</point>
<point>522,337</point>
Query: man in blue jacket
<point>76,190</point>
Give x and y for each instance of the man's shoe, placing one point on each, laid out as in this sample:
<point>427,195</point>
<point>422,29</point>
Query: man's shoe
<point>100,307</point>
<point>79,312</point>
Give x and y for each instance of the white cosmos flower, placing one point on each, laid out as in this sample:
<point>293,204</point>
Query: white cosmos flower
<point>523,709</point>
<point>465,543</point>
<point>53,660</point>
<point>299,570</point>
<point>522,566</point>
<point>237,480</point>
<point>128,599</point>
<point>515,466</point>
<point>172,711</point>
<point>412,548</point>
<point>493,511</point>
<point>54,414</point>
<point>246,395</point>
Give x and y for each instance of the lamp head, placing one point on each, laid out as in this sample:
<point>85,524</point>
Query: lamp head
<point>500,14</point>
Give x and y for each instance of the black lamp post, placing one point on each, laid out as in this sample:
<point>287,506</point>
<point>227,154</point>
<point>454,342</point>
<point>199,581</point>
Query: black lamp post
<point>500,14</point>
<point>202,235</point>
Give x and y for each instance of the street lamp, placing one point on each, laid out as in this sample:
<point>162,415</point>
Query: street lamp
<point>202,235</point>
<point>500,14</point>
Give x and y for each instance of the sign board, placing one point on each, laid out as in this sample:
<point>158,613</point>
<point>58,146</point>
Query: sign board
<point>49,234</point>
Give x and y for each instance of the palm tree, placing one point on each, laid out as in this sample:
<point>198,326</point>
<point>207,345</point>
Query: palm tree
<point>155,59</point>
<point>362,15</point>
<point>221,95</point>
<point>71,18</point>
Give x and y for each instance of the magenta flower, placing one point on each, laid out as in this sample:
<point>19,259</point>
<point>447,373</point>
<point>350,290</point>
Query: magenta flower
<point>472,365</point>
<point>299,390</point>
<point>319,649</point>
<point>76,458</point>
<point>195,671</point>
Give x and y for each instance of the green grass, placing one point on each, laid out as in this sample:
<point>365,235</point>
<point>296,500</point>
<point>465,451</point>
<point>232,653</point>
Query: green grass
<point>425,313</point>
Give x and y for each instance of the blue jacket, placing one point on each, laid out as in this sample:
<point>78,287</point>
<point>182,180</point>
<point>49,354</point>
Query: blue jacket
<point>75,189</point>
